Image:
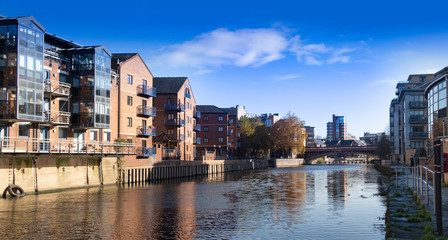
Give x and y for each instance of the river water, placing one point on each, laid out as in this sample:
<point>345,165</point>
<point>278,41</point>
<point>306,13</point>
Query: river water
<point>310,202</point>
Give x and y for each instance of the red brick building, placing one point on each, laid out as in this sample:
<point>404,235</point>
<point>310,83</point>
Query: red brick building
<point>213,136</point>
<point>175,118</point>
<point>232,131</point>
<point>132,107</point>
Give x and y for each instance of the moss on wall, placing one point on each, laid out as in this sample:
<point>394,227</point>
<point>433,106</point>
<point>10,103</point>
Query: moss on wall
<point>27,161</point>
<point>62,161</point>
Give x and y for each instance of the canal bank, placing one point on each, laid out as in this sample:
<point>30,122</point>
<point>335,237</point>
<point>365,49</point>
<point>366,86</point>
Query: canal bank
<point>38,175</point>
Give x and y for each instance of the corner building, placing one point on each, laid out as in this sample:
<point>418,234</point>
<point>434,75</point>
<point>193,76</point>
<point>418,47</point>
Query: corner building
<point>176,118</point>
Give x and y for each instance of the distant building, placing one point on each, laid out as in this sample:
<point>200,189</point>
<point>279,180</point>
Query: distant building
<point>371,139</point>
<point>269,119</point>
<point>310,138</point>
<point>337,129</point>
<point>214,134</point>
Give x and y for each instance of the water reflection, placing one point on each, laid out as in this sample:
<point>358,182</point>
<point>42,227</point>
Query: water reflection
<point>307,203</point>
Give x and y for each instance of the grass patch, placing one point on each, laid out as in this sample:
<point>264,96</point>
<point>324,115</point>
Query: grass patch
<point>397,194</point>
<point>414,219</point>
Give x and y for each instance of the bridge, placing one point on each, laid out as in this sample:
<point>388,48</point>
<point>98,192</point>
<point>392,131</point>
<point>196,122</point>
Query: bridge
<point>312,153</point>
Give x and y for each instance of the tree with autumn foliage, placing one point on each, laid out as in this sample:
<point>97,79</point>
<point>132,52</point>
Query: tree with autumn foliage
<point>255,137</point>
<point>289,136</point>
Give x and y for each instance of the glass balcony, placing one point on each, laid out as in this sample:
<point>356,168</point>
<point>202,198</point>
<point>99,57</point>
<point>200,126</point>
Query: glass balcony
<point>417,135</point>
<point>146,152</point>
<point>57,88</point>
<point>146,131</point>
<point>197,127</point>
<point>146,111</point>
<point>175,107</point>
<point>417,119</point>
<point>197,114</point>
<point>57,117</point>
<point>146,91</point>
<point>417,104</point>
<point>175,122</point>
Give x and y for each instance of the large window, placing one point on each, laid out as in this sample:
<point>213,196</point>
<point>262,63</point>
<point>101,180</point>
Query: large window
<point>106,137</point>
<point>63,133</point>
<point>93,135</point>
<point>130,100</point>
<point>129,79</point>
<point>437,102</point>
<point>129,122</point>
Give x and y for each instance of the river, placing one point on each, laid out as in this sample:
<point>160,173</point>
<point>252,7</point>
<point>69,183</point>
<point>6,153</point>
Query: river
<point>310,202</point>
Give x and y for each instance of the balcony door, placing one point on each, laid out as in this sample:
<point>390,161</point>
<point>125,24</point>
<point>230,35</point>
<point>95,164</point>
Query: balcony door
<point>44,142</point>
<point>4,135</point>
<point>78,139</point>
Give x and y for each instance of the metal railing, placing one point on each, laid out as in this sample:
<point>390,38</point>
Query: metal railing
<point>57,87</point>
<point>146,90</point>
<point>146,151</point>
<point>417,104</point>
<point>175,122</point>
<point>146,111</point>
<point>57,117</point>
<point>55,146</point>
<point>146,131</point>
<point>175,107</point>
<point>197,114</point>
<point>417,119</point>
<point>417,135</point>
<point>197,127</point>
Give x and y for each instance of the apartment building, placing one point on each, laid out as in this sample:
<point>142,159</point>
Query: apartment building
<point>407,117</point>
<point>133,111</point>
<point>175,117</point>
<point>214,134</point>
<point>269,119</point>
<point>232,132</point>
<point>310,136</point>
<point>337,129</point>
<point>52,89</point>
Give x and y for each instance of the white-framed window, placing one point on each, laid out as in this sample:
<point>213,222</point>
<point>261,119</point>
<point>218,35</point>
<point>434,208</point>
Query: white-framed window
<point>206,140</point>
<point>130,100</point>
<point>106,136</point>
<point>220,118</point>
<point>129,122</point>
<point>129,79</point>
<point>221,139</point>
<point>220,129</point>
<point>93,135</point>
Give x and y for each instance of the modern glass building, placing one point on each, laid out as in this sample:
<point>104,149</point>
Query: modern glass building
<point>21,69</point>
<point>436,94</point>
<point>90,79</point>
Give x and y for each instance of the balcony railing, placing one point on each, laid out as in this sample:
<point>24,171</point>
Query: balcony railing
<point>417,120</point>
<point>146,131</point>
<point>57,146</point>
<point>197,127</point>
<point>57,117</point>
<point>417,135</point>
<point>197,114</point>
<point>179,137</point>
<point>57,88</point>
<point>417,104</point>
<point>175,122</point>
<point>180,107</point>
<point>146,111</point>
<point>146,152</point>
<point>145,90</point>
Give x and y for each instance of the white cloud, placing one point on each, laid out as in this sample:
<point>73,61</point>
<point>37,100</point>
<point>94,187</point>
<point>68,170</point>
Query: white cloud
<point>288,77</point>
<point>247,47</point>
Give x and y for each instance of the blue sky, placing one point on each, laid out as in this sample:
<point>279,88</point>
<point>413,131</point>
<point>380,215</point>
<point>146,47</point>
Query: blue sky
<point>312,58</point>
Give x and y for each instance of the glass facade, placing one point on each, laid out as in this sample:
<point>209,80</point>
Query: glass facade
<point>436,95</point>
<point>90,77</point>
<point>21,72</point>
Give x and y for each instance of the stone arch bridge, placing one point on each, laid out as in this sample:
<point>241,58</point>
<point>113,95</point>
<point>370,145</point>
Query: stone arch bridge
<point>313,153</point>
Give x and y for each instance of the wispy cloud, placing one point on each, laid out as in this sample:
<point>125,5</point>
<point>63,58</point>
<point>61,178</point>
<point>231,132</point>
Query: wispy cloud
<point>288,77</point>
<point>247,47</point>
<point>203,71</point>
<point>385,81</point>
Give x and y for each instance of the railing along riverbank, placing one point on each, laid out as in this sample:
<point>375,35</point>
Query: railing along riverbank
<point>131,175</point>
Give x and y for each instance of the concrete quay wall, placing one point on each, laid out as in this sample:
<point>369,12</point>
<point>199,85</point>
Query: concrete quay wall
<point>58,173</point>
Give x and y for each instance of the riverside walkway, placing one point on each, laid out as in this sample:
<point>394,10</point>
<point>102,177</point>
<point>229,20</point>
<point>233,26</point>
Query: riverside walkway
<point>411,213</point>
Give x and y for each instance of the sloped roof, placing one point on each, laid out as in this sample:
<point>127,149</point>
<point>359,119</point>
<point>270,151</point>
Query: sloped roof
<point>123,57</point>
<point>23,20</point>
<point>168,85</point>
<point>209,109</point>
<point>231,111</point>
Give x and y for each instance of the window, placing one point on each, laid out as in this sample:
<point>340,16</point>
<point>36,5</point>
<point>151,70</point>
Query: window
<point>143,143</point>
<point>63,133</point>
<point>130,79</point>
<point>188,119</point>
<point>206,140</point>
<point>129,140</point>
<point>220,118</point>
<point>93,135</point>
<point>220,129</point>
<point>205,118</point>
<point>220,140</point>
<point>187,148</point>
<point>129,122</point>
<point>205,129</point>
<point>130,100</point>
<point>188,133</point>
<point>188,105</point>
<point>47,75</point>
<point>24,130</point>
<point>106,136</point>
<point>231,121</point>
<point>198,140</point>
